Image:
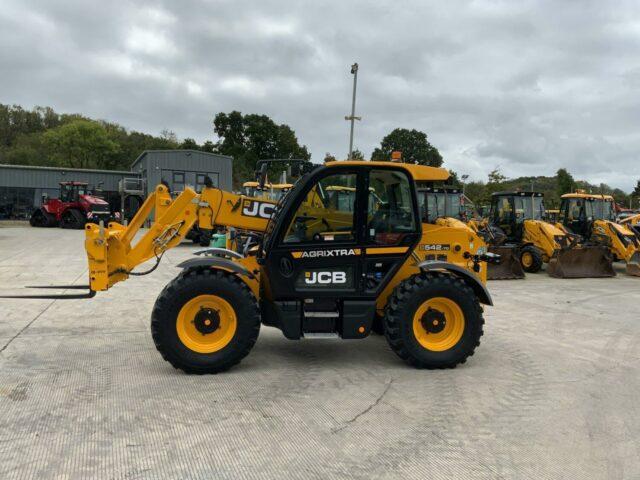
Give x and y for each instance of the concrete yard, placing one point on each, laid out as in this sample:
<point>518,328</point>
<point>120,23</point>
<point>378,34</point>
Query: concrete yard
<point>552,392</point>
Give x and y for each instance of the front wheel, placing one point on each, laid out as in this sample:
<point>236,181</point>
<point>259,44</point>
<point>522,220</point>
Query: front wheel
<point>531,259</point>
<point>205,321</point>
<point>433,321</point>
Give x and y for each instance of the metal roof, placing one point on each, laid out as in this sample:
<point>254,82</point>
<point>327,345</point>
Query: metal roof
<point>66,169</point>
<point>519,193</point>
<point>143,154</point>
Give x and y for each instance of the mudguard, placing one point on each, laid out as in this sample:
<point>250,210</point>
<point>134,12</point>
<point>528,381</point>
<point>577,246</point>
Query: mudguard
<point>469,278</point>
<point>215,262</point>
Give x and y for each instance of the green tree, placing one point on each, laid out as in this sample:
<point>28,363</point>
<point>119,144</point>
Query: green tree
<point>620,197</point>
<point>495,183</point>
<point>476,191</point>
<point>329,158</point>
<point>454,180</point>
<point>413,144</point>
<point>252,137</point>
<point>189,144</point>
<point>566,183</point>
<point>81,144</point>
<point>357,155</point>
<point>208,146</point>
<point>636,190</point>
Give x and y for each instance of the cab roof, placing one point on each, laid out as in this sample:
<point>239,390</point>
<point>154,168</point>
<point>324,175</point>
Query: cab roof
<point>419,173</point>
<point>519,193</point>
<point>592,196</point>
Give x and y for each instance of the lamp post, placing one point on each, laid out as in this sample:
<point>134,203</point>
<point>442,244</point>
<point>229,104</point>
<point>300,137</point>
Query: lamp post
<point>352,118</point>
<point>464,181</point>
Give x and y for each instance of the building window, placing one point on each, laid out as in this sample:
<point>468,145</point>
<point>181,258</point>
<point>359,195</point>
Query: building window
<point>178,177</point>
<point>16,202</point>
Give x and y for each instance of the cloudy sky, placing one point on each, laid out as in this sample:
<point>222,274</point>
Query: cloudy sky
<point>526,86</point>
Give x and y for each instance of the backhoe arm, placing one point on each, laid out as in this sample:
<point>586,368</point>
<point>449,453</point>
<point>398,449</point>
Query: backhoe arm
<point>112,253</point>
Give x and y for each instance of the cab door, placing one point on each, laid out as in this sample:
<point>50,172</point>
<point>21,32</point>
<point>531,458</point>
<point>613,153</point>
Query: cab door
<point>392,226</point>
<point>317,250</point>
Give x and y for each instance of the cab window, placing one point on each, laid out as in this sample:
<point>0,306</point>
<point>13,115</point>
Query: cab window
<point>324,215</point>
<point>503,212</point>
<point>390,215</point>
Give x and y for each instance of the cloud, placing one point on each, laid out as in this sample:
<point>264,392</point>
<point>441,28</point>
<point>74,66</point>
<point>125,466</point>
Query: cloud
<point>530,86</point>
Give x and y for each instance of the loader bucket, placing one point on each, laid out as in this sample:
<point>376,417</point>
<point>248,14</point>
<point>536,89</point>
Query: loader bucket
<point>509,267</point>
<point>633,265</point>
<point>582,262</point>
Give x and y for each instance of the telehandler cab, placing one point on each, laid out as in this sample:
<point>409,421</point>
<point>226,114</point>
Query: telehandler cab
<point>593,217</point>
<point>319,269</point>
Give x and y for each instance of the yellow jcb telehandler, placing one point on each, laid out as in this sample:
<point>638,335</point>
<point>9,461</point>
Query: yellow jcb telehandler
<point>518,217</point>
<point>306,277</point>
<point>593,217</point>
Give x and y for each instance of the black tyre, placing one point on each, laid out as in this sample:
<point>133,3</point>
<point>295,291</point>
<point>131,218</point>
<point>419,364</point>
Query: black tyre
<point>433,321</point>
<point>73,219</point>
<point>37,219</point>
<point>42,219</point>
<point>531,259</point>
<point>205,321</point>
<point>205,238</point>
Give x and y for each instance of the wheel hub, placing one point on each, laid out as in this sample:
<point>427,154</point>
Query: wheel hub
<point>433,321</point>
<point>207,320</point>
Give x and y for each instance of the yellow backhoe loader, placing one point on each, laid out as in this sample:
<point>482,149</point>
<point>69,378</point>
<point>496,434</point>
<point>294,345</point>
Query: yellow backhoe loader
<point>317,271</point>
<point>269,191</point>
<point>518,217</point>
<point>593,217</point>
<point>442,212</point>
<point>632,223</point>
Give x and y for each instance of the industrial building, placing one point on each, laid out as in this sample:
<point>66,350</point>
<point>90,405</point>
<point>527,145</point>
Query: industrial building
<point>22,187</point>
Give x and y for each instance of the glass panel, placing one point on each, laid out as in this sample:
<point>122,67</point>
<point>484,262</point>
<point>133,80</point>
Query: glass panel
<point>327,212</point>
<point>390,213</point>
<point>503,211</point>
<point>599,210</point>
<point>529,208</point>
<point>575,209</point>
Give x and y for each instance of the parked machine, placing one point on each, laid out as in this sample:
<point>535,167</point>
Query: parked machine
<point>270,191</point>
<point>593,217</point>
<point>74,207</point>
<point>518,217</point>
<point>317,271</point>
<point>632,222</point>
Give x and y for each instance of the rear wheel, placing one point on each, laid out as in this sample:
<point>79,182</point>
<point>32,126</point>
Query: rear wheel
<point>205,321</point>
<point>531,259</point>
<point>37,219</point>
<point>433,321</point>
<point>73,219</point>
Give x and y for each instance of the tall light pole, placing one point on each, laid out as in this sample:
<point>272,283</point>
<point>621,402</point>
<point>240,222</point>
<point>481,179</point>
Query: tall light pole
<point>352,118</point>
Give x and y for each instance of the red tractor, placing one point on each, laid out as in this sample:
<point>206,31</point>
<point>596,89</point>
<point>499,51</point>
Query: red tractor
<point>75,207</point>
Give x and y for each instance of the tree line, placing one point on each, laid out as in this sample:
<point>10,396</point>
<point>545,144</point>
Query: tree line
<point>43,137</point>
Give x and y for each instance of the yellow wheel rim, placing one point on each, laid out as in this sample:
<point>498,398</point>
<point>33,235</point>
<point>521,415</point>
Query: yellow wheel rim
<point>527,259</point>
<point>438,324</point>
<point>206,323</point>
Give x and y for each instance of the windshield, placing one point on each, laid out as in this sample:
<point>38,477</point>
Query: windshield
<point>588,209</point>
<point>440,204</point>
<point>530,208</point>
<point>599,209</point>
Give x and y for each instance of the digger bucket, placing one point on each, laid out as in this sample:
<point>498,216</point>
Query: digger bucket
<point>509,267</point>
<point>582,262</point>
<point>633,265</point>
